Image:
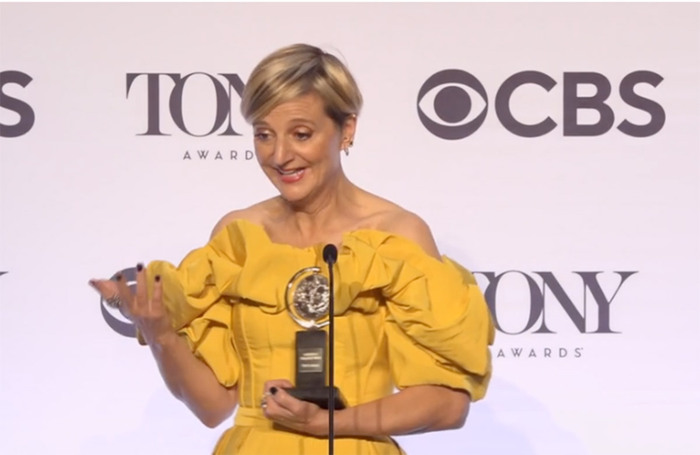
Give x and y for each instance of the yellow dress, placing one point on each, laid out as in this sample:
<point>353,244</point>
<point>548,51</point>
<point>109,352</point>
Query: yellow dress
<point>403,318</point>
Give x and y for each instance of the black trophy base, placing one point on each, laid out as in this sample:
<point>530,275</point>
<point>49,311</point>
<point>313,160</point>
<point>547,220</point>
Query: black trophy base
<point>318,396</point>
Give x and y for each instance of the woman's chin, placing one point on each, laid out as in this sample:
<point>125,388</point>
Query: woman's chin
<point>292,197</point>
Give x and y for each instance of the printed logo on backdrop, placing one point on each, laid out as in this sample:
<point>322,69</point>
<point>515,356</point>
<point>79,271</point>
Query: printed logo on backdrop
<point>452,104</point>
<point>17,108</point>
<point>196,105</point>
<point>556,309</point>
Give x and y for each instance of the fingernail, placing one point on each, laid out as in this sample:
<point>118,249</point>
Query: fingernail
<point>139,267</point>
<point>157,278</point>
<point>93,283</point>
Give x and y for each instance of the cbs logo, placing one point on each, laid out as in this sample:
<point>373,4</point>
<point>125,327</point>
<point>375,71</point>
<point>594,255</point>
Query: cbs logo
<point>446,108</point>
<point>21,110</point>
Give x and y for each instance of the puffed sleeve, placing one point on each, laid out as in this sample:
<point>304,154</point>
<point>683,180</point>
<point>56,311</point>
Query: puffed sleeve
<point>195,295</point>
<point>439,326</point>
<point>446,341</point>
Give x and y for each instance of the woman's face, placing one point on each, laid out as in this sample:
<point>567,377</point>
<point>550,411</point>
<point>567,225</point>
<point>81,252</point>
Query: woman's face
<point>298,147</point>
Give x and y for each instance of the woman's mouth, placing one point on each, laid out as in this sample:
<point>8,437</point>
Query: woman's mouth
<point>291,175</point>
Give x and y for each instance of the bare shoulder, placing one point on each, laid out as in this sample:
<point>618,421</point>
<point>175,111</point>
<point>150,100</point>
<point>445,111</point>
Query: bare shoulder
<point>400,221</point>
<point>227,219</point>
<point>254,213</point>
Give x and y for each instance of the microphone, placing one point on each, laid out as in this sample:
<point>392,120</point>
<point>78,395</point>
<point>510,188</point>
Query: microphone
<point>330,256</point>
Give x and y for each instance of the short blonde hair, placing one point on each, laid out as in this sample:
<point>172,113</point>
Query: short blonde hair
<point>297,70</point>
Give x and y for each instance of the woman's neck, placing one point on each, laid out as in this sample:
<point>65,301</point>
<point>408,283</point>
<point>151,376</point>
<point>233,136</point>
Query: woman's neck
<point>324,215</point>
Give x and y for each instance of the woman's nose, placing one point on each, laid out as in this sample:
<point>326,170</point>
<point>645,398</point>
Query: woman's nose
<point>281,152</point>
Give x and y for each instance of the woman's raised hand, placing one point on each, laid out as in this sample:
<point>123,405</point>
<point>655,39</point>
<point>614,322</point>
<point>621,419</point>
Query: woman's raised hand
<point>149,315</point>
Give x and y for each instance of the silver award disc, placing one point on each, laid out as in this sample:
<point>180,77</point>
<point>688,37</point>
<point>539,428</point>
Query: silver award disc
<point>307,298</point>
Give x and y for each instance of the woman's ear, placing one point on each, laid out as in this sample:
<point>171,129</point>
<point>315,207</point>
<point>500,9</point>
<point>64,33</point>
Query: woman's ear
<point>348,132</point>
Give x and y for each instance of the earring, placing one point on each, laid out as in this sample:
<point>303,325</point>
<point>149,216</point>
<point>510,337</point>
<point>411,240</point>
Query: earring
<point>346,149</point>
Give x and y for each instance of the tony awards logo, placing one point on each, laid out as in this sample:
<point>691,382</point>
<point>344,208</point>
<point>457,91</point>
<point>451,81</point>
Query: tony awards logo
<point>307,299</point>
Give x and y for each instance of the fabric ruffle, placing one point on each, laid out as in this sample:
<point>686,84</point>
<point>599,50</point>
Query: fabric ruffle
<point>437,314</point>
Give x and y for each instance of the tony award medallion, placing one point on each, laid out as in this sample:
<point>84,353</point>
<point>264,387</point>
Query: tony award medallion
<point>307,299</point>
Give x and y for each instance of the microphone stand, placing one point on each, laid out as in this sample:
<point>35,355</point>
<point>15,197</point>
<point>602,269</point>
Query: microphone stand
<point>330,255</point>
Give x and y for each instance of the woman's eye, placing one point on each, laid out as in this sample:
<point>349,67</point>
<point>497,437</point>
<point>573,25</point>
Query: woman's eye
<point>302,135</point>
<point>261,136</point>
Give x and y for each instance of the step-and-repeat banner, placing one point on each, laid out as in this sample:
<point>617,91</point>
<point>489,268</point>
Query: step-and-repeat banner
<point>553,148</point>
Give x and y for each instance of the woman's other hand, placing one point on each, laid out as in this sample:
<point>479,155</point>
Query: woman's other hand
<point>149,315</point>
<point>283,409</point>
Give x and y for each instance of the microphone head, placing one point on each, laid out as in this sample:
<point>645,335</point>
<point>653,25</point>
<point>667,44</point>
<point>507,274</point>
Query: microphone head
<point>330,254</point>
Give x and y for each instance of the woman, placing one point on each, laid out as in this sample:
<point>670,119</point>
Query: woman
<point>219,326</point>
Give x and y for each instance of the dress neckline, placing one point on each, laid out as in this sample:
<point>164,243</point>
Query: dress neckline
<point>349,240</point>
<point>317,246</point>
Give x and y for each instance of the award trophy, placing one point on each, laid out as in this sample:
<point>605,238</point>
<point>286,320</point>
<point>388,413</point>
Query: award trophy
<point>307,299</point>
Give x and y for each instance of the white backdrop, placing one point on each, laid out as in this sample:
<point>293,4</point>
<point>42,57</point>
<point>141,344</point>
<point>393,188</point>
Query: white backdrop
<point>84,193</point>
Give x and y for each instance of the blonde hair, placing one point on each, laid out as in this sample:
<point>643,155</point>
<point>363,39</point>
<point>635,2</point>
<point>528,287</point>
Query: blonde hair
<point>297,70</point>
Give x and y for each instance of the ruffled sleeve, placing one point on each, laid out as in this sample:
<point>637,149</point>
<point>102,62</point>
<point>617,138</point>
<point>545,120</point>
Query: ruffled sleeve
<point>439,327</point>
<point>196,296</point>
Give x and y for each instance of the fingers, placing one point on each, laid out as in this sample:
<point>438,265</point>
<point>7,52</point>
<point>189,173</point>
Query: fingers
<point>125,295</point>
<point>106,288</point>
<point>149,316</point>
<point>282,407</point>
<point>277,383</point>
<point>142,301</point>
<point>275,408</point>
<point>119,287</point>
<point>157,291</point>
<point>272,388</point>
<point>286,403</point>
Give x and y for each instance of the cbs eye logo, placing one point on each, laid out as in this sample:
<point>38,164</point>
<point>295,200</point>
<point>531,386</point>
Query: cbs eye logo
<point>444,96</point>
<point>448,110</point>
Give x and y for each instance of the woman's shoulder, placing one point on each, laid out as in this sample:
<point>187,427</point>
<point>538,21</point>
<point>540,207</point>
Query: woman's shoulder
<point>256,214</point>
<point>392,218</point>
